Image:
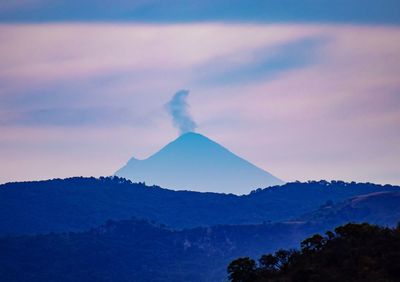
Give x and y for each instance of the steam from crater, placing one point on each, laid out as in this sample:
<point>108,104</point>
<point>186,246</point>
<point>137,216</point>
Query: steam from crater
<point>178,108</point>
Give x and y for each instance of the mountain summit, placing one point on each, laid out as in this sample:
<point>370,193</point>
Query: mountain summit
<point>194,162</point>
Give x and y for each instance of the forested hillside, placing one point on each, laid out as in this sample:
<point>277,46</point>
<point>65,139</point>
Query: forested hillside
<point>77,204</point>
<point>136,249</point>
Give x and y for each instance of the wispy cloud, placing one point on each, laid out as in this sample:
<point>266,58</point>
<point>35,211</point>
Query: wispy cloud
<point>78,51</point>
<point>73,117</point>
<point>263,64</point>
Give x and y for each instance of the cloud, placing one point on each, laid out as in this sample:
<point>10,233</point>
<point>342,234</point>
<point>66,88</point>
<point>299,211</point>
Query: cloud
<point>178,109</point>
<point>77,51</point>
<point>73,117</point>
<point>108,65</point>
<point>264,64</point>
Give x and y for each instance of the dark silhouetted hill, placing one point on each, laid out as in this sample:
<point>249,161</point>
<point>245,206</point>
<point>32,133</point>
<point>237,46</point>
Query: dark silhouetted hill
<point>76,204</point>
<point>136,250</point>
<point>381,208</point>
<point>139,250</point>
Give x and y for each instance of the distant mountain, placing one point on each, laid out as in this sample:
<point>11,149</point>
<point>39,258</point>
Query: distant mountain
<point>194,162</point>
<point>76,204</point>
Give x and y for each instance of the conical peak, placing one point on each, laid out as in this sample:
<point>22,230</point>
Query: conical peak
<point>192,139</point>
<point>189,133</point>
<point>192,136</point>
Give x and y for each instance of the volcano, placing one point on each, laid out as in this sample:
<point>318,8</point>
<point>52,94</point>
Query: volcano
<point>194,162</point>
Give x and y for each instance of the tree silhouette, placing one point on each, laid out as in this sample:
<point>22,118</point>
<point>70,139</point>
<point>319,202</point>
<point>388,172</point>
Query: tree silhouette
<point>242,270</point>
<point>354,252</point>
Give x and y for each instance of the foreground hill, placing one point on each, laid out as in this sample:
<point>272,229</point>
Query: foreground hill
<point>194,162</point>
<point>138,250</point>
<point>76,204</point>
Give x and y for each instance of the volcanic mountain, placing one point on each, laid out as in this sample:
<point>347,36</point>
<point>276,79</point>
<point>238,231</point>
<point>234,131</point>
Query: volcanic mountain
<point>194,162</point>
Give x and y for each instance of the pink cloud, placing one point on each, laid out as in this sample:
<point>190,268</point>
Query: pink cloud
<point>59,51</point>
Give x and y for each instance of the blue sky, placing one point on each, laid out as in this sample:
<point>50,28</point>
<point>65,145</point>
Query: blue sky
<point>303,89</point>
<point>167,11</point>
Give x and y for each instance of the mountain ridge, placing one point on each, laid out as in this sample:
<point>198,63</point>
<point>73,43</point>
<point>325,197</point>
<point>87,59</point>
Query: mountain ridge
<point>79,203</point>
<point>381,208</point>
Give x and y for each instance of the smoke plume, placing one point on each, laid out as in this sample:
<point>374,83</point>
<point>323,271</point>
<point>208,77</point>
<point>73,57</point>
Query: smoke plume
<point>178,108</point>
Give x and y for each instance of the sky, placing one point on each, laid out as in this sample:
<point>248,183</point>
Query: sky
<point>306,90</point>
